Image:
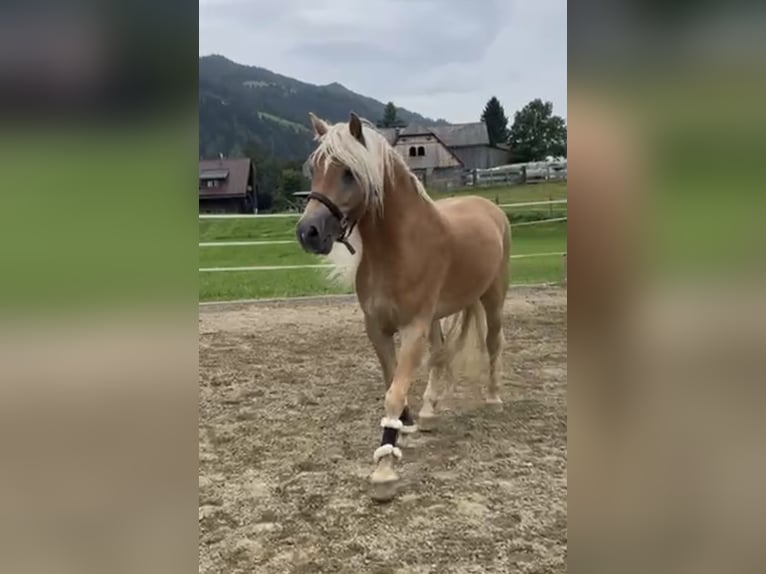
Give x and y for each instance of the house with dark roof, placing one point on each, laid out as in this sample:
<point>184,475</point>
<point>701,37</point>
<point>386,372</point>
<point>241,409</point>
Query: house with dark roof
<point>469,143</point>
<point>227,186</point>
<point>443,156</point>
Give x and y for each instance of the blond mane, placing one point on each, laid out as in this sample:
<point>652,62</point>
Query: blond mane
<point>370,163</point>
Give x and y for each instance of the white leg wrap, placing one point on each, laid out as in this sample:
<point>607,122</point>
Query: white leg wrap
<point>408,429</point>
<point>390,423</point>
<point>385,450</point>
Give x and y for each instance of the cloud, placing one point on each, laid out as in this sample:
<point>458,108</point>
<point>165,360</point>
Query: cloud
<point>442,58</point>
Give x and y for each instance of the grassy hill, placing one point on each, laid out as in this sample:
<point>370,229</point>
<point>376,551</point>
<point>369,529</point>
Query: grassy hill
<point>241,106</point>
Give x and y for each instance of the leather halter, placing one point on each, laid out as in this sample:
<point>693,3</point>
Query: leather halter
<point>346,226</point>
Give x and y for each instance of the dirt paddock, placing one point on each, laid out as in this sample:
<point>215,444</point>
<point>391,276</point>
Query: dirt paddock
<point>290,403</point>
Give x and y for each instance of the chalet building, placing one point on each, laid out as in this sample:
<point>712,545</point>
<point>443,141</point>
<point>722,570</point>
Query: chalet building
<point>444,156</point>
<point>227,186</point>
<point>469,143</point>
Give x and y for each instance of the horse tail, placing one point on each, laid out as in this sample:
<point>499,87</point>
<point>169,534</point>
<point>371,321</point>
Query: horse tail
<point>465,340</point>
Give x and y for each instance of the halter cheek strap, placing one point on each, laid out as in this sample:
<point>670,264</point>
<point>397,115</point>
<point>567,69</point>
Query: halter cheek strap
<point>346,226</point>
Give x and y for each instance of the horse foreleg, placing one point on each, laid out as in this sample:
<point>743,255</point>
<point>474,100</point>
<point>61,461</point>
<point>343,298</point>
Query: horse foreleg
<point>413,348</point>
<point>383,342</point>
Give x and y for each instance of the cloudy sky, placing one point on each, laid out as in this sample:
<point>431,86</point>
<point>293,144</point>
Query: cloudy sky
<point>440,58</point>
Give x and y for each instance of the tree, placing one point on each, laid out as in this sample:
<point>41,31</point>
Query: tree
<point>277,179</point>
<point>389,116</point>
<point>496,120</point>
<point>292,180</point>
<point>536,133</point>
<point>390,119</point>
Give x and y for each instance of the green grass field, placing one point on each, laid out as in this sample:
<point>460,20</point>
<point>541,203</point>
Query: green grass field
<point>542,238</point>
<point>516,193</point>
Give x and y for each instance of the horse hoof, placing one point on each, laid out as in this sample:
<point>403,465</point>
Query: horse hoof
<point>427,424</point>
<point>383,483</point>
<point>495,403</point>
<point>383,491</point>
<point>408,440</point>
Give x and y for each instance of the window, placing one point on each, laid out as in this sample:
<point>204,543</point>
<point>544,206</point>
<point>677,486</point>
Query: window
<point>421,150</point>
<point>412,151</point>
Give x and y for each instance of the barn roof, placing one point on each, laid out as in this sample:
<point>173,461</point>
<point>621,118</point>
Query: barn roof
<point>455,135</point>
<point>452,136</point>
<point>235,174</point>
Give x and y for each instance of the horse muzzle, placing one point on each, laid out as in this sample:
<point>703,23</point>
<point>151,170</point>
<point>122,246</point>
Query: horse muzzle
<point>318,232</point>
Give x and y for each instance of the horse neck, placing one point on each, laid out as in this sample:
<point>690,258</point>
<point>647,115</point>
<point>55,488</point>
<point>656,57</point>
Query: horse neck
<point>405,214</point>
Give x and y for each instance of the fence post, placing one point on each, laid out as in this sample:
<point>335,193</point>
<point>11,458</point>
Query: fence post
<point>564,269</point>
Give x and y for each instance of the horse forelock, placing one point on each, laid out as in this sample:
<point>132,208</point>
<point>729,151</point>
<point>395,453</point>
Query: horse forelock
<point>370,163</point>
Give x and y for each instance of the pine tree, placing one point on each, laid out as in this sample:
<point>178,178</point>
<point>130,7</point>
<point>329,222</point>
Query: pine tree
<point>496,120</point>
<point>389,116</point>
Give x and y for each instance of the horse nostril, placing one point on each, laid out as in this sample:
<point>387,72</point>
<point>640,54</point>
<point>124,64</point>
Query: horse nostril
<point>312,232</point>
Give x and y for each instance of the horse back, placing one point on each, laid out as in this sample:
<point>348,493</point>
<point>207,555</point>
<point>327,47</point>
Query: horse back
<point>478,245</point>
<point>475,222</point>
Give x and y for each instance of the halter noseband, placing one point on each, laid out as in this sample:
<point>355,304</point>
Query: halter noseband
<point>346,226</point>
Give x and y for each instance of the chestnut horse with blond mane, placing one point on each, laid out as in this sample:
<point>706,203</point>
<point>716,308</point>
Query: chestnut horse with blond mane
<point>414,261</point>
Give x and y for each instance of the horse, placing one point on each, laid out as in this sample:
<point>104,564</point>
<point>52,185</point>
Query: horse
<point>415,263</point>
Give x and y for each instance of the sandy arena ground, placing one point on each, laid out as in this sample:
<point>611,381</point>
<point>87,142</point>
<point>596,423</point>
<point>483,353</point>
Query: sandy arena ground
<point>290,402</point>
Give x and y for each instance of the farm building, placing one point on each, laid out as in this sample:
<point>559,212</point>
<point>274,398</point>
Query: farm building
<point>469,143</point>
<point>227,186</point>
<point>442,156</point>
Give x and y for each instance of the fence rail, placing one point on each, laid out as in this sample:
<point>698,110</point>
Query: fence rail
<point>207,216</point>
<point>257,243</point>
<point>532,203</point>
<point>277,215</point>
<point>246,243</point>
<point>245,215</point>
<point>518,173</point>
<point>328,266</point>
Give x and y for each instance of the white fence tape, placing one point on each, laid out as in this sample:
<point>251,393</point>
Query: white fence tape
<point>539,221</point>
<point>277,215</point>
<point>531,203</point>
<point>294,241</point>
<point>247,243</point>
<point>264,268</point>
<point>324,265</point>
<point>245,215</point>
<point>327,265</point>
<point>338,297</point>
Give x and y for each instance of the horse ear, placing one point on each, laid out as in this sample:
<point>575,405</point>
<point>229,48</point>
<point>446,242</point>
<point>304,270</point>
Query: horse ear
<point>320,126</point>
<point>355,126</point>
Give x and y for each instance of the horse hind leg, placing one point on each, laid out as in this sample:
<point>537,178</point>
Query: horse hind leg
<point>437,377</point>
<point>493,302</point>
<point>495,349</point>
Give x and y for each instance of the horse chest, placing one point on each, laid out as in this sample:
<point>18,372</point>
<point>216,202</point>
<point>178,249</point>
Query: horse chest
<point>381,307</point>
<point>392,300</point>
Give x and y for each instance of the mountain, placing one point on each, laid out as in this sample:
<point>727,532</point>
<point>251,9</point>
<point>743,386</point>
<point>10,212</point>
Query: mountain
<point>245,106</point>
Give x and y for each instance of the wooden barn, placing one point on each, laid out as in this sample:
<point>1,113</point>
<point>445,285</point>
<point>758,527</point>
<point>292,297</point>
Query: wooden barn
<point>469,143</point>
<point>444,156</point>
<point>227,186</point>
<point>428,156</point>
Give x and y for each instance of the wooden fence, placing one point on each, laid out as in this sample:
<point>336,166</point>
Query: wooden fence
<point>518,173</point>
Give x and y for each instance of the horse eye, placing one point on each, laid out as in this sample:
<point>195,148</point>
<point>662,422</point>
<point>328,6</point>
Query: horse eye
<point>348,177</point>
